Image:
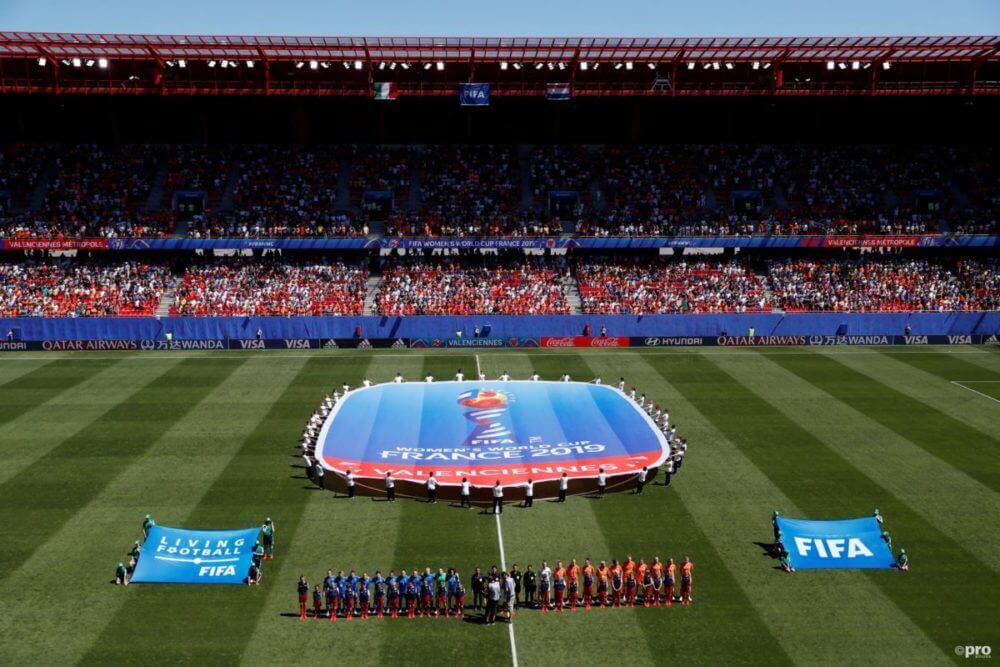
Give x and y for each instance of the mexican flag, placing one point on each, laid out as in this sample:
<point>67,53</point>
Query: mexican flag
<point>385,91</point>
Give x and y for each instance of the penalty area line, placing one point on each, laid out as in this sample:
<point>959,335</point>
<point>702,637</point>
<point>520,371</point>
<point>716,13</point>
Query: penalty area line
<point>503,568</point>
<point>960,384</point>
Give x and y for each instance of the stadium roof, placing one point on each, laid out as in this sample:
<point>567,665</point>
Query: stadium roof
<point>203,64</point>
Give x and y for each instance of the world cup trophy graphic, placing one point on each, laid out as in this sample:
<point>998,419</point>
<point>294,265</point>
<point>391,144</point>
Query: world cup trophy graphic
<point>486,411</point>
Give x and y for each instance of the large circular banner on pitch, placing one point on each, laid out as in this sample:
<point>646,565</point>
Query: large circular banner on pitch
<point>487,431</point>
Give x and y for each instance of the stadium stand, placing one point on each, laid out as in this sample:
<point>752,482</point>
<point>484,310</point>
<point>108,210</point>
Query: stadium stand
<point>68,288</point>
<point>640,286</point>
<point>244,287</point>
<point>473,284</point>
<point>259,191</point>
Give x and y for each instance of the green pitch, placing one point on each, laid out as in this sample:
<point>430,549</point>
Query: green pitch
<point>91,442</point>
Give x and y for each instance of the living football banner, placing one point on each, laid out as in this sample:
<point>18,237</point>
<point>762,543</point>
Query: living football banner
<point>181,556</point>
<point>842,544</point>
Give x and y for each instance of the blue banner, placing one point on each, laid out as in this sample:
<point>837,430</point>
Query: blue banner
<point>489,430</point>
<point>519,341</point>
<point>181,556</point>
<point>474,94</point>
<point>843,544</point>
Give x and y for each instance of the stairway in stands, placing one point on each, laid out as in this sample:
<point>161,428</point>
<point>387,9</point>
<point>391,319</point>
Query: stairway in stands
<point>371,294</point>
<point>168,299</point>
<point>154,201</point>
<point>37,198</point>
<point>572,293</point>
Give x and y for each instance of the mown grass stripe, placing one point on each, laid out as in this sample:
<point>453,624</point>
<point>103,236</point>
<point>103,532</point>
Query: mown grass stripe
<point>726,497</point>
<point>214,623</point>
<point>11,371</point>
<point>929,378</point>
<point>812,474</point>
<point>555,532</point>
<point>34,432</point>
<point>44,383</point>
<point>442,536</point>
<point>915,420</point>
<point>168,482</point>
<point>906,470</point>
<point>364,538</point>
<point>44,496</point>
<point>658,524</point>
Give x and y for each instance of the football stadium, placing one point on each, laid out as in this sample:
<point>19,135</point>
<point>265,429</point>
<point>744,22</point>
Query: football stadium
<point>505,350</point>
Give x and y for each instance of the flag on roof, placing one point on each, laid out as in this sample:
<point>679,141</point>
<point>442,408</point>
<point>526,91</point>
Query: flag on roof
<point>559,91</point>
<point>385,91</point>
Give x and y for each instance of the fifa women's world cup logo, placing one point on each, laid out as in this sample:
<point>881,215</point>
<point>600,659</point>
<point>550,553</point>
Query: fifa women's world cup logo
<point>487,410</point>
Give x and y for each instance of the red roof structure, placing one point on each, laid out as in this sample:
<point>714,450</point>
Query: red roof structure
<point>68,63</point>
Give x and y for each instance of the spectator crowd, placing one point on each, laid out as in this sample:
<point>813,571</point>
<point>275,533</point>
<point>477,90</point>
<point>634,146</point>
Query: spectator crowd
<point>272,288</point>
<point>68,288</point>
<point>457,286</point>
<point>84,190</point>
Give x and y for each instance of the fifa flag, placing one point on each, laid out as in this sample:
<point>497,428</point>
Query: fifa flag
<point>180,556</point>
<point>846,544</point>
<point>474,94</point>
<point>559,91</point>
<point>385,91</point>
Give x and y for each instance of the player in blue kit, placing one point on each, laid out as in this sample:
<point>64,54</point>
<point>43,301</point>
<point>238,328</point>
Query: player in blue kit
<point>328,588</point>
<point>303,590</point>
<point>412,589</point>
<point>440,593</point>
<point>317,602</point>
<point>426,592</point>
<point>378,587</point>
<point>333,598</point>
<point>450,584</point>
<point>364,594</point>
<point>350,594</point>
<point>459,597</point>
<point>393,594</point>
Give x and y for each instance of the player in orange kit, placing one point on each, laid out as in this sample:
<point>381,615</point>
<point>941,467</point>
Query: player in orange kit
<point>656,572</point>
<point>668,584</point>
<point>602,583</point>
<point>588,583</point>
<point>641,573</point>
<point>616,584</point>
<point>559,584</point>
<point>687,580</point>
<point>628,565</point>
<point>573,583</point>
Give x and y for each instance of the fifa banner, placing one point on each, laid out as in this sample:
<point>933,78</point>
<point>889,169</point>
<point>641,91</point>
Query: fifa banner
<point>845,544</point>
<point>489,431</point>
<point>181,556</point>
<point>474,94</point>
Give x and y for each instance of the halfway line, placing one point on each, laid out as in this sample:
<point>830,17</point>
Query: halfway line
<point>503,568</point>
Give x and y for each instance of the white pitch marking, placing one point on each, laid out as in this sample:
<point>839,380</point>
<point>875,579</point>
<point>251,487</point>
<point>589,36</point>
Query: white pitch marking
<point>478,369</point>
<point>959,383</point>
<point>503,568</point>
<point>332,354</point>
